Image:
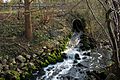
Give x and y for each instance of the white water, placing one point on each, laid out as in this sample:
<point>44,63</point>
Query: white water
<point>68,69</point>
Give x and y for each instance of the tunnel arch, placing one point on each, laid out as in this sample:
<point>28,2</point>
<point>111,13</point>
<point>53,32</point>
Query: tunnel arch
<point>77,25</point>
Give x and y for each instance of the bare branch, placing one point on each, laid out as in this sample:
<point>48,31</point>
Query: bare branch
<point>98,21</point>
<point>103,5</point>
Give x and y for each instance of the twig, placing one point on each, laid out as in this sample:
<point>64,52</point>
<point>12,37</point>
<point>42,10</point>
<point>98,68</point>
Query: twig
<point>18,44</point>
<point>102,5</point>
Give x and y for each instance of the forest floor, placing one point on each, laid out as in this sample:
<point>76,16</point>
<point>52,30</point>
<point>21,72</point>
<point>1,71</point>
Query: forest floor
<point>19,57</point>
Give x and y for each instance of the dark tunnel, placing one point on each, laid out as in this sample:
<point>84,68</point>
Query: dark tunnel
<point>77,25</point>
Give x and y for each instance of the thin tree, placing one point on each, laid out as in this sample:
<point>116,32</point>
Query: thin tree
<point>28,25</point>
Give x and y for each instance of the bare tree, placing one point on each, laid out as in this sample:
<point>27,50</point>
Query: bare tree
<point>28,25</point>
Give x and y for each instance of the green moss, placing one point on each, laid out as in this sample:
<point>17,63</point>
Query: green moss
<point>51,60</point>
<point>43,64</point>
<point>25,76</point>
<point>46,61</point>
<point>53,56</point>
<point>59,58</point>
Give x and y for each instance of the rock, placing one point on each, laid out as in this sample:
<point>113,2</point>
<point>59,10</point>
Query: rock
<point>21,65</point>
<point>1,66</point>
<point>28,56</point>
<point>77,56</point>
<point>75,61</point>
<point>0,59</point>
<point>84,53</point>
<point>80,65</point>
<point>4,61</point>
<point>34,55</point>
<point>76,79</point>
<point>21,58</point>
<point>13,66</point>
<point>84,57</point>
<point>87,54</point>
<point>13,61</point>
<point>64,55</point>
<point>5,67</point>
<point>82,48</point>
<point>20,71</point>
<point>7,57</point>
<point>50,68</point>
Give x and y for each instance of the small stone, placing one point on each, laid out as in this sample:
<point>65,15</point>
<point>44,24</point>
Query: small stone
<point>82,48</point>
<point>21,58</point>
<point>34,55</point>
<point>6,57</point>
<point>84,53</point>
<point>84,57</point>
<point>76,79</point>
<point>75,61</point>
<point>87,54</point>
<point>5,67</point>
<point>77,56</point>
<point>0,59</point>
<point>64,55</point>
<point>12,67</point>
<point>4,61</point>
<point>13,61</point>
<point>1,66</point>
<point>80,65</point>
<point>44,47</point>
<point>21,65</point>
<point>28,56</point>
<point>31,64</point>
<point>19,70</point>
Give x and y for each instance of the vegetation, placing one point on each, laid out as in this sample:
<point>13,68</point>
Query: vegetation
<point>33,34</point>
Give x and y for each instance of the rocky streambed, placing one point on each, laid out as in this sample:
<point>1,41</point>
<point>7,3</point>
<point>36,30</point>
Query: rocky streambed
<point>79,63</point>
<point>73,60</point>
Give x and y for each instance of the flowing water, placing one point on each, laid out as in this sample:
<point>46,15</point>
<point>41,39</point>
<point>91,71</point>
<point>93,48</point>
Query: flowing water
<point>76,65</point>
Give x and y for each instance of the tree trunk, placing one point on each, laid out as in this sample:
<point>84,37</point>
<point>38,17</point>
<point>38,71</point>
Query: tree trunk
<point>28,26</point>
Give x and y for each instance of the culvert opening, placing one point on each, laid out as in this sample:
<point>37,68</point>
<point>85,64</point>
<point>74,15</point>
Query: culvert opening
<point>77,25</point>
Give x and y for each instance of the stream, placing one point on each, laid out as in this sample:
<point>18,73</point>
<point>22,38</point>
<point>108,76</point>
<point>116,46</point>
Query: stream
<point>77,63</point>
